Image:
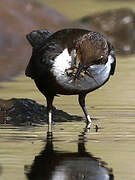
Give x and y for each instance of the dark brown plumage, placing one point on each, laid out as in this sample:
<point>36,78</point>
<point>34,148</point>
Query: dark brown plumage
<point>92,49</point>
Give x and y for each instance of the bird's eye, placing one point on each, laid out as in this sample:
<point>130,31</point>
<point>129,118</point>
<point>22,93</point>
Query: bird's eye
<point>99,60</point>
<point>101,57</point>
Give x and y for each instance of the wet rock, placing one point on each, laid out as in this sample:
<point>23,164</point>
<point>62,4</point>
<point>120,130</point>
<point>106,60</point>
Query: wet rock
<point>18,18</point>
<point>28,112</point>
<point>117,25</point>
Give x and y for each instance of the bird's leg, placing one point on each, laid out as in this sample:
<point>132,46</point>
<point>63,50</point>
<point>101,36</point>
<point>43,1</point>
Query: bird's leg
<point>49,112</point>
<point>82,104</point>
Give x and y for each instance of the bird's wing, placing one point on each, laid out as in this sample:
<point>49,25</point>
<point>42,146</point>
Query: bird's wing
<point>42,58</point>
<point>57,43</point>
<point>64,38</point>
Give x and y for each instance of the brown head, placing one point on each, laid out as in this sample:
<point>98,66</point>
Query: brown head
<point>92,48</point>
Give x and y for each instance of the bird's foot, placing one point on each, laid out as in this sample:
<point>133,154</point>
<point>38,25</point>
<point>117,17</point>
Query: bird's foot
<point>88,126</point>
<point>86,129</point>
<point>72,72</point>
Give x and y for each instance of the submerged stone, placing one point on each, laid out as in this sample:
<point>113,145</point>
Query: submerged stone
<point>17,111</point>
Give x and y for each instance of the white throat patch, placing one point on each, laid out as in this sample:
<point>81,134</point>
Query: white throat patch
<point>61,63</point>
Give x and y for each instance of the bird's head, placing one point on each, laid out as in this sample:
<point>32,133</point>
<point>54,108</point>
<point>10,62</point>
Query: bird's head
<point>92,48</point>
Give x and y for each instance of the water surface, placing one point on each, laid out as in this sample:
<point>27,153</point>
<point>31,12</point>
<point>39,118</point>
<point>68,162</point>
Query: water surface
<point>113,144</point>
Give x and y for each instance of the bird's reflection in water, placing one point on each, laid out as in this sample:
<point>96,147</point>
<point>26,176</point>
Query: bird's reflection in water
<point>57,165</point>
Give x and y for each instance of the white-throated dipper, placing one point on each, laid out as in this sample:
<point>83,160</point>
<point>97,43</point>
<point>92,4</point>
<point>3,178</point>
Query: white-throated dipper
<point>69,62</point>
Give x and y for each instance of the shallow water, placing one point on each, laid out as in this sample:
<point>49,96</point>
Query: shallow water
<point>113,144</point>
<point>114,107</point>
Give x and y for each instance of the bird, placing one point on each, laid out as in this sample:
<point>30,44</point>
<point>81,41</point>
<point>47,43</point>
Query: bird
<point>69,62</point>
